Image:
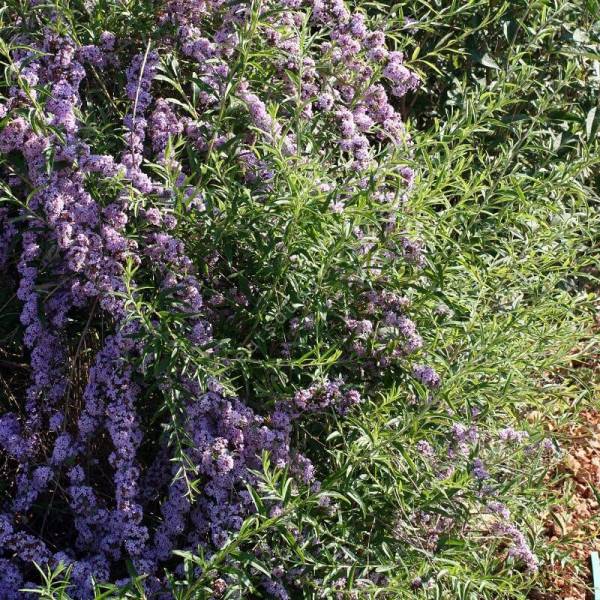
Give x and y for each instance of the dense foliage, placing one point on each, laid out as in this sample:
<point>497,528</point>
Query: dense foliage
<point>288,285</point>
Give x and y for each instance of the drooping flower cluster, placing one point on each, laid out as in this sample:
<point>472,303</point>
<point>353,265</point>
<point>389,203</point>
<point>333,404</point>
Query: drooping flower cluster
<point>518,548</point>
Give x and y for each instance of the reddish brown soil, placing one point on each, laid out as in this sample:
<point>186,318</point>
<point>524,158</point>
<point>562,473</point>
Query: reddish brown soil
<point>575,524</point>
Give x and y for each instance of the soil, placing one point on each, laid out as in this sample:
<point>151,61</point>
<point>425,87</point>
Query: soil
<point>575,526</point>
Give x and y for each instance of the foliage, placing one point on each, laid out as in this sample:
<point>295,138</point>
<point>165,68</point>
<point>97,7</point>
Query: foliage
<point>492,256</point>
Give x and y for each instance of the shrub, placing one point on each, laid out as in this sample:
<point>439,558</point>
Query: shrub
<point>267,340</point>
<point>205,212</point>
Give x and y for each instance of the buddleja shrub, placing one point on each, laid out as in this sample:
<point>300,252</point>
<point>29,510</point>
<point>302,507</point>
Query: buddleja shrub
<point>207,270</point>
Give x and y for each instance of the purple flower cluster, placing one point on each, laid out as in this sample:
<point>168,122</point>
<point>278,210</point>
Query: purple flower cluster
<point>383,333</point>
<point>518,548</point>
<point>508,434</point>
<point>320,396</point>
<point>140,74</point>
<point>337,80</point>
<point>427,376</point>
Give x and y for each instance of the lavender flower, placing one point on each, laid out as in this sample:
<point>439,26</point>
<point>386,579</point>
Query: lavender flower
<point>427,376</point>
<point>425,449</point>
<point>508,434</point>
<point>479,470</point>
<point>518,547</point>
